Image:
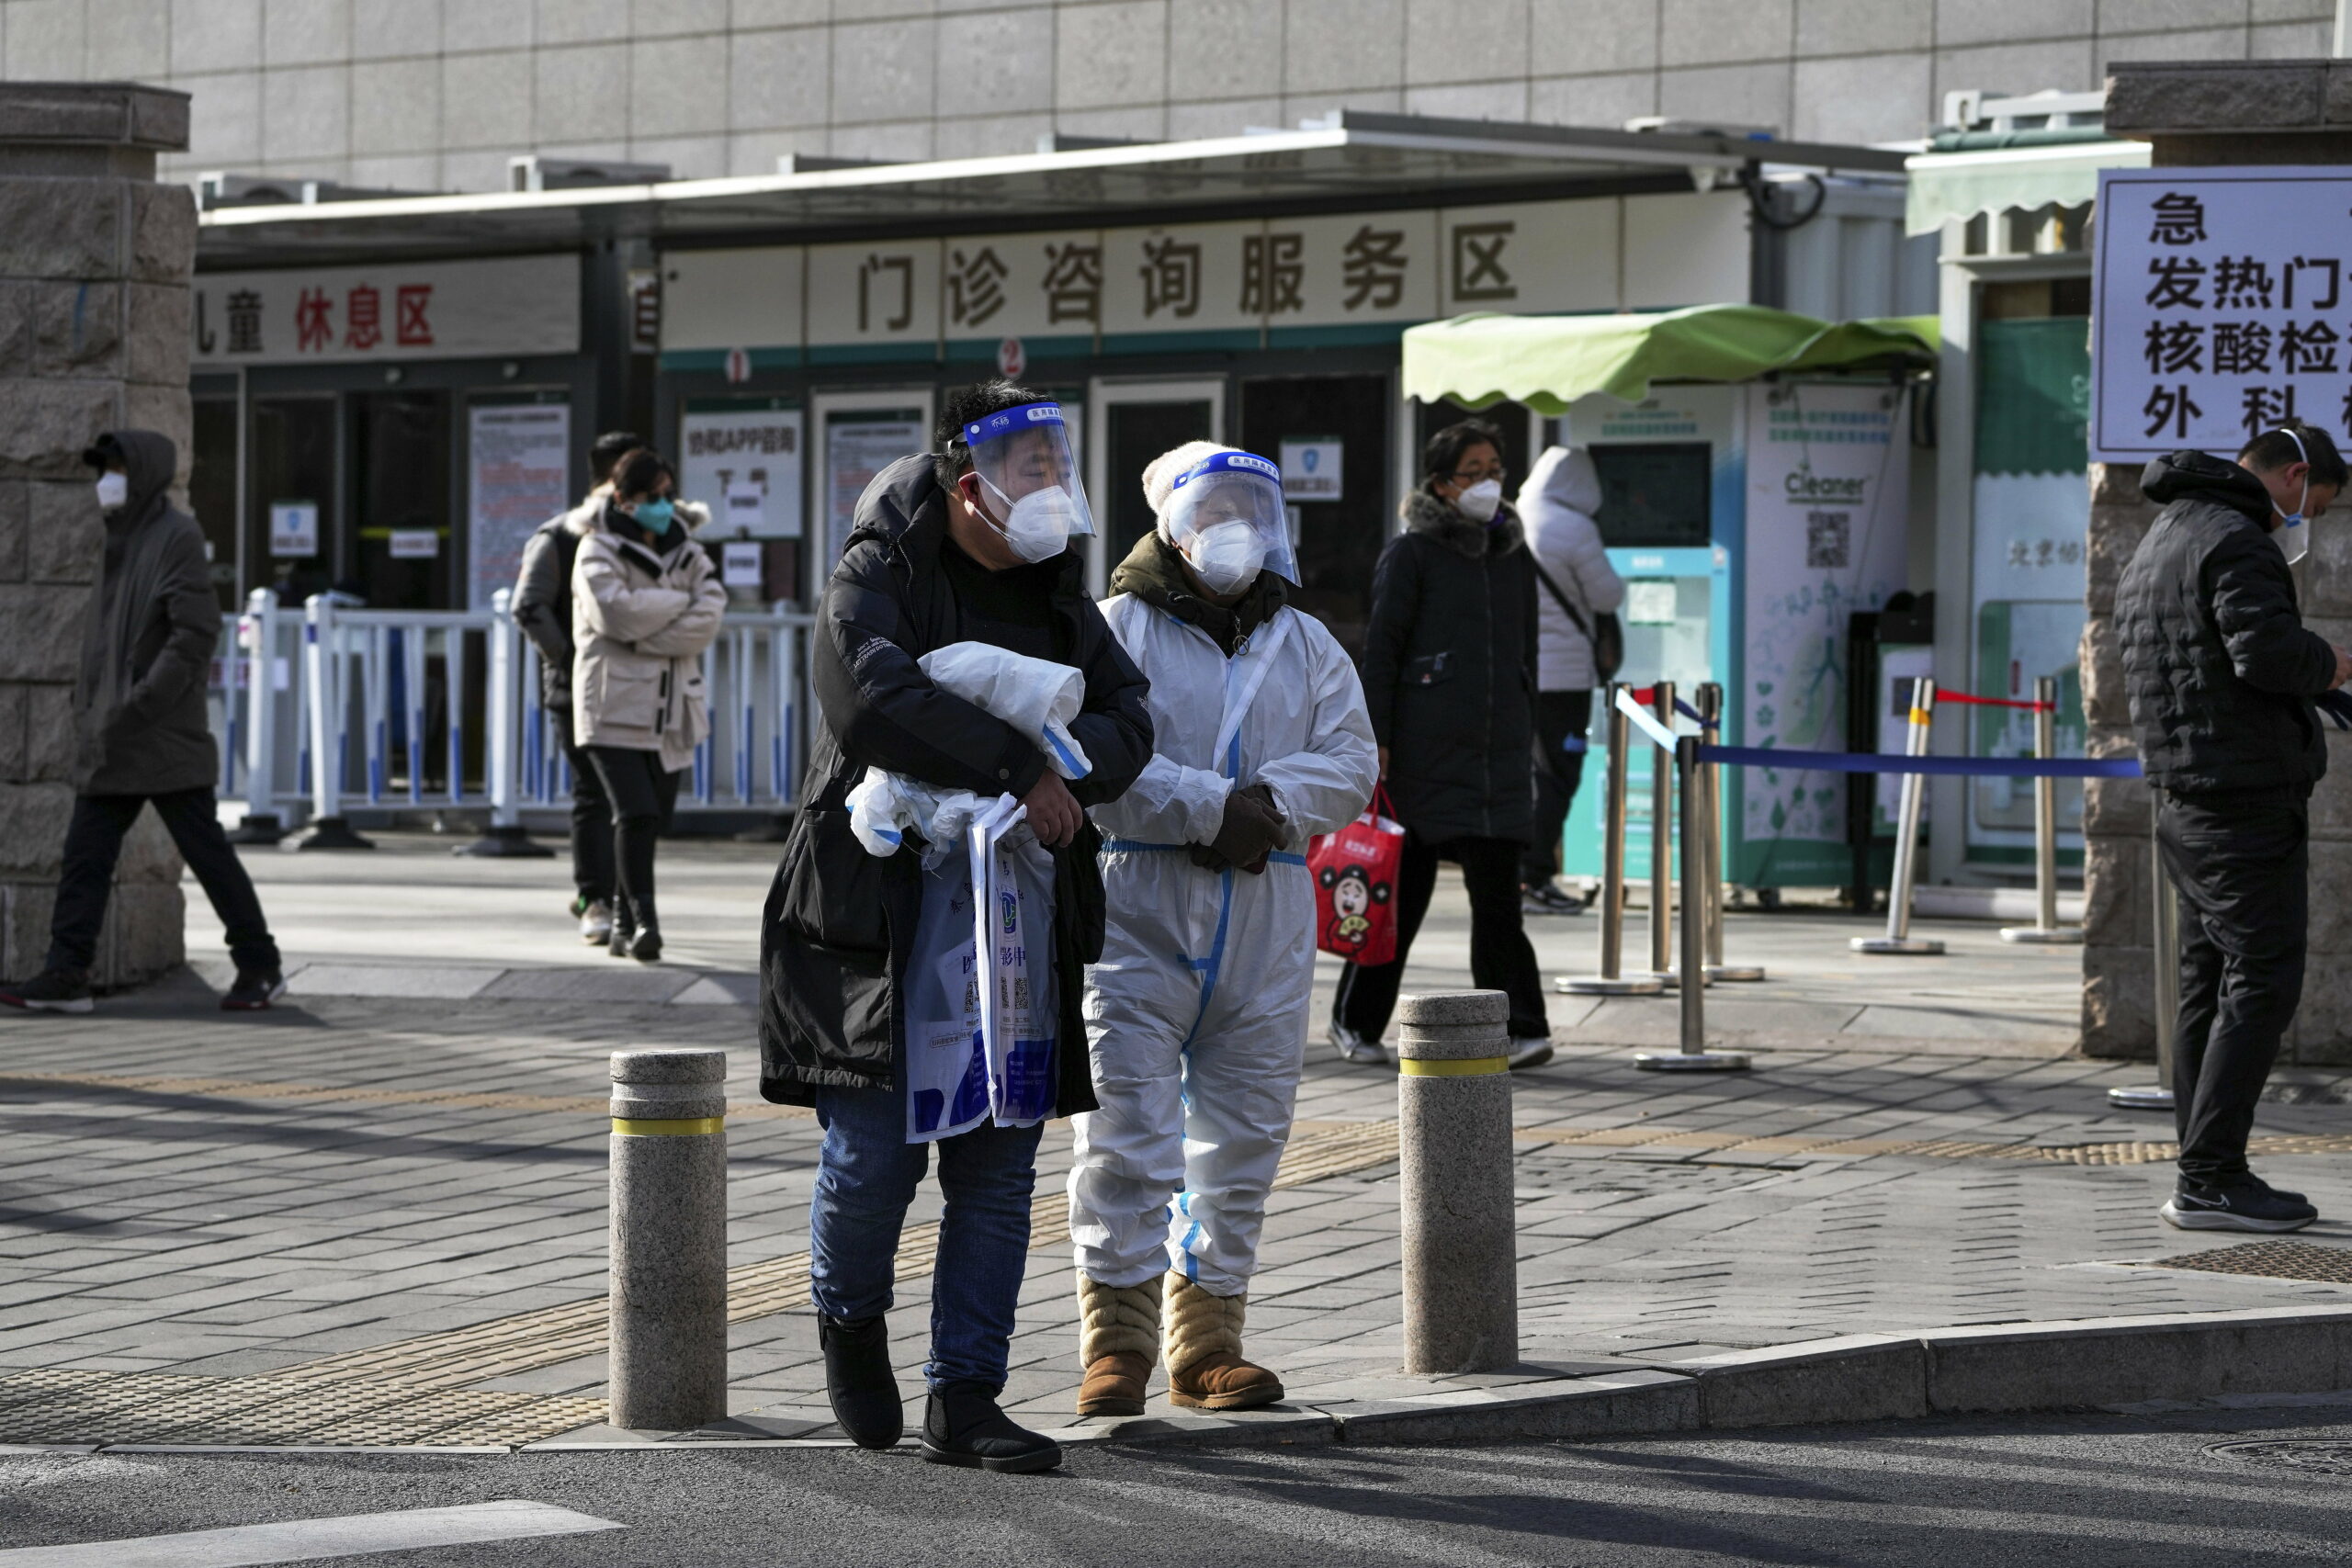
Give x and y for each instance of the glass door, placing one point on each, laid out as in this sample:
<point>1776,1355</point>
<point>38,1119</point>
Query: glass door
<point>1330,435</point>
<point>1129,424</point>
<point>858,435</point>
<point>290,530</point>
<point>399,457</point>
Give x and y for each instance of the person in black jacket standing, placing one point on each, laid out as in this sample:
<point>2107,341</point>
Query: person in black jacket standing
<point>1450,677</point>
<point>2222,674</point>
<point>542,608</point>
<point>961,546</point>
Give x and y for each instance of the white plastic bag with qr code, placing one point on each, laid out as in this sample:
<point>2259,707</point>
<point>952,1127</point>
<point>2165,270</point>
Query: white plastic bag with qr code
<point>1012,912</point>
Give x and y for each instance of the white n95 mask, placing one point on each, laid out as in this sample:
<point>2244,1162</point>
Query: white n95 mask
<point>1227,556</point>
<point>1481,500</point>
<point>1039,525</point>
<point>113,490</point>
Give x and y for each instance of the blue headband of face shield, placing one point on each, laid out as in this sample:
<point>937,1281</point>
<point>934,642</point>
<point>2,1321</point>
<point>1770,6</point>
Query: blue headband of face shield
<point>1004,422</point>
<point>1232,462</point>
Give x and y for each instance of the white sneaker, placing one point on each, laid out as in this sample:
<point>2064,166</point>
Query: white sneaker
<point>596,923</point>
<point>1354,1047</point>
<point>1531,1052</point>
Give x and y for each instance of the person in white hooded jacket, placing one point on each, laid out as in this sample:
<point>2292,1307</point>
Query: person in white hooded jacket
<point>1196,1015</point>
<point>1557,505</point>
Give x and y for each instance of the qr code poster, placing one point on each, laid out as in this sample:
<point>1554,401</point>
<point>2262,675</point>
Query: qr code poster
<point>2219,308</point>
<point>1828,540</point>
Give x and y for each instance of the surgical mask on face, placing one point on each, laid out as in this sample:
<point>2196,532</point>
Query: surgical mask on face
<point>2295,529</point>
<point>654,517</point>
<point>1227,556</point>
<point>1038,526</point>
<point>113,490</point>
<point>1480,501</point>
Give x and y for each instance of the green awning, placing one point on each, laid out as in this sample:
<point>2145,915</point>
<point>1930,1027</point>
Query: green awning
<point>1548,362</point>
<point>1962,184</point>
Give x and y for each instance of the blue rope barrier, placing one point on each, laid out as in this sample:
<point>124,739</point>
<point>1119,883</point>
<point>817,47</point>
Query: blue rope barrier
<point>1889,762</point>
<point>1687,711</point>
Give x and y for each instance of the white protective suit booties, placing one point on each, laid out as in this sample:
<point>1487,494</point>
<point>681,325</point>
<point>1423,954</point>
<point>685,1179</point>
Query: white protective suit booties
<point>1196,1016</point>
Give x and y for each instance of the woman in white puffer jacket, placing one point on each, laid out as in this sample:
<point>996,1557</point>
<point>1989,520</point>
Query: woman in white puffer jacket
<point>1557,505</point>
<point>645,604</point>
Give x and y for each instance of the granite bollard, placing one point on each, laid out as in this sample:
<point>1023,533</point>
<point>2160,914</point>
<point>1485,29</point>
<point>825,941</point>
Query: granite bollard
<point>1459,1227</point>
<point>668,1239</point>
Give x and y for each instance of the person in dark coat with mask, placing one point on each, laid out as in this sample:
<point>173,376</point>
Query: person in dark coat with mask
<point>941,553</point>
<point>1450,678</point>
<point>141,733</point>
<point>2222,674</point>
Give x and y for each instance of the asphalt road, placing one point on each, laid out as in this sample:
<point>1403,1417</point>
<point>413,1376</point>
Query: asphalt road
<point>2076,1490</point>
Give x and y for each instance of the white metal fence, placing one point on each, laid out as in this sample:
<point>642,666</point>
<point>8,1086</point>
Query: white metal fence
<point>335,708</point>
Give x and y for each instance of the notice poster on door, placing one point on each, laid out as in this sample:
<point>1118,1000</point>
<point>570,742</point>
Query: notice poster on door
<point>519,477</point>
<point>1828,474</point>
<point>857,447</point>
<point>744,462</point>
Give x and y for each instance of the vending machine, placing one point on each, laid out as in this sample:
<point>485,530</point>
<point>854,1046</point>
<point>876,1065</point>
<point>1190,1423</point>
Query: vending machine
<point>1748,520</point>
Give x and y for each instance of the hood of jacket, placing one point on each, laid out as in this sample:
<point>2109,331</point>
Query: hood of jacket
<point>1426,511</point>
<point>1154,572</point>
<point>1565,476</point>
<point>580,521</point>
<point>905,510</point>
<point>150,458</point>
<point>2195,476</point>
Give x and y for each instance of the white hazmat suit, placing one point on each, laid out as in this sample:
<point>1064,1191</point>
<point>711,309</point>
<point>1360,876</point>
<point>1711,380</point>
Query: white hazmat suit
<point>1197,1014</point>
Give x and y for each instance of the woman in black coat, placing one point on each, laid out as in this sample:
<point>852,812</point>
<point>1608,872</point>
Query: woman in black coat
<point>1449,675</point>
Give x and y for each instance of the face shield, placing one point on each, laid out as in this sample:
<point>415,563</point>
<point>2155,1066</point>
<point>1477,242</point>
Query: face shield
<point>1028,480</point>
<point>1224,515</point>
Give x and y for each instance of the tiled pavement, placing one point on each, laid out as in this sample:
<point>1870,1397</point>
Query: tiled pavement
<point>172,1201</point>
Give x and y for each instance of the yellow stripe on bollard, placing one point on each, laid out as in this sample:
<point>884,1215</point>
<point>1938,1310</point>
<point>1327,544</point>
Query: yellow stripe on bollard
<point>676,1127</point>
<point>1922,716</point>
<point>1457,1067</point>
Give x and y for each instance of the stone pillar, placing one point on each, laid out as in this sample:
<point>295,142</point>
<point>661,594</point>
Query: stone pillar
<point>95,262</point>
<point>2209,114</point>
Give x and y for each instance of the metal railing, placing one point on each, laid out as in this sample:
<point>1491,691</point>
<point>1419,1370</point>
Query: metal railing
<point>337,708</point>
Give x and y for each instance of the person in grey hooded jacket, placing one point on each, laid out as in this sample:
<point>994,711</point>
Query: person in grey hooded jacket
<point>1557,506</point>
<point>140,734</point>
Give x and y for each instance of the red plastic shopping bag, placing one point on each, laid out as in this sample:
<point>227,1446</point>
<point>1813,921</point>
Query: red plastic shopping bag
<point>1355,884</point>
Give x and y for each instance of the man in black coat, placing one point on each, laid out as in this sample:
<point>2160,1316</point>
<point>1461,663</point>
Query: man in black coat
<point>141,733</point>
<point>931,562</point>
<point>2221,674</point>
<point>542,608</point>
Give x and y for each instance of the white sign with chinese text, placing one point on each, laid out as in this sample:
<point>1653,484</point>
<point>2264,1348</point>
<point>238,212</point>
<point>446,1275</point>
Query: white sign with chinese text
<point>740,564</point>
<point>516,305</point>
<point>2219,307</point>
<point>415,544</point>
<point>521,461</point>
<point>1190,279</point>
<point>745,465</point>
<point>1311,467</point>
<point>887,292</point>
<point>293,529</point>
<point>1009,286</point>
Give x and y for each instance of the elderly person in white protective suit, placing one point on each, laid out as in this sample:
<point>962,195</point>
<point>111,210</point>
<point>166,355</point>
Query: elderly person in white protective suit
<point>1196,1015</point>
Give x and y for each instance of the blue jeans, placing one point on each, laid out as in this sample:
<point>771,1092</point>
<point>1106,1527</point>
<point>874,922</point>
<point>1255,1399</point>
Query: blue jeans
<point>866,1175</point>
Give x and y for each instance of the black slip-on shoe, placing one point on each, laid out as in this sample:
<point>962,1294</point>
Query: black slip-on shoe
<point>859,1382</point>
<point>962,1426</point>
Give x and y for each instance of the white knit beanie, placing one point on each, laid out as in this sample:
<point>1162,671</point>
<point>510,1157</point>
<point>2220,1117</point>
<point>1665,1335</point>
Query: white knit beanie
<point>1160,474</point>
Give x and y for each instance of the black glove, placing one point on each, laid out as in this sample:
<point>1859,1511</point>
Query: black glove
<point>1252,827</point>
<point>2336,705</point>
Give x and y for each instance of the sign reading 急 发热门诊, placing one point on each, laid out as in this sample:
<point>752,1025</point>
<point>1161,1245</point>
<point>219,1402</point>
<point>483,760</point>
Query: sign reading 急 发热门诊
<point>2219,308</point>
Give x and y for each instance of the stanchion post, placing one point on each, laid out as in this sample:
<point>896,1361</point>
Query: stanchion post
<point>325,679</point>
<point>1662,837</point>
<point>1612,981</point>
<point>1693,1056</point>
<point>262,825</point>
<point>1898,937</point>
<point>1459,1222</point>
<point>505,838</point>
<point>668,1301</point>
<point>2165,951</point>
<point>2045,929</point>
<point>1711,814</point>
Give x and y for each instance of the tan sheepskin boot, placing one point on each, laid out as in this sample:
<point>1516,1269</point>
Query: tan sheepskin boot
<point>1205,1366</point>
<point>1118,1340</point>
